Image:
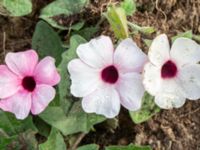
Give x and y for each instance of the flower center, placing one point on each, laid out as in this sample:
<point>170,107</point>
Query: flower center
<point>169,69</point>
<point>29,83</point>
<point>110,74</point>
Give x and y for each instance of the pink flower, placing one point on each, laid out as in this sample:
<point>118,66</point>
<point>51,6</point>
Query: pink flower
<point>106,78</point>
<point>25,84</point>
<point>173,75</point>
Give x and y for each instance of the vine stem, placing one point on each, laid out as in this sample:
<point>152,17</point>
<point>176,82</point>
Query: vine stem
<point>79,139</point>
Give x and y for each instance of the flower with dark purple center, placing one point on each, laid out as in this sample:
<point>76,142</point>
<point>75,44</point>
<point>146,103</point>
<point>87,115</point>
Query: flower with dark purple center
<point>106,78</point>
<point>173,76</point>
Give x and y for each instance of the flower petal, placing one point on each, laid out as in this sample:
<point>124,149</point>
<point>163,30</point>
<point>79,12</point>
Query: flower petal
<point>152,79</point>
<point>171,87</point>
<point>41,97</point>
<point>190,81</point>
<point>185,51</point>
<point>131,90</point>
<point>97,53</point>
<point>103,101</point>
<point>9,82</point>
<point>159,50</point>
<point>170,94</point>
<point>128,57</point>
<point>169,101</point>
<point>19,104</point>
<point>46,73</point>
<point>84,79</point>
<point>22,63</point>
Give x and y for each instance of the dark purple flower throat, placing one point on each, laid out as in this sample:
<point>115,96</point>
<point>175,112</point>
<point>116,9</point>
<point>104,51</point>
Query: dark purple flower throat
<point>29,83</point>
<point>169,69</point>
<point>110,74</point>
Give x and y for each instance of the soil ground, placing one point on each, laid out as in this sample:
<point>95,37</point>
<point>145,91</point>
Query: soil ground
<point>177,129</point>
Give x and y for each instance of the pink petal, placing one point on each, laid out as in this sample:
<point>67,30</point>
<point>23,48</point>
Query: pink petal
<point>185,51</point>
<point>19,104</point>
<point>46,73</point>
<point>159,50</point>
<point>131,90</point>
<point>97,53</point>
<point>22,63</point>
<point>41,97</point>
<point>128,57</point>
<point>85,79</point>
<point>103,101</point>
<point>9,82</point>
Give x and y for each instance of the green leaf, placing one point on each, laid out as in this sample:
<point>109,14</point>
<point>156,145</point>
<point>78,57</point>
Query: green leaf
<point>11,126</point>
<point>117,18</point>
<point>62,8</point>
<point>148,109</point>
<point>129,6</point>
<point>25,140</point>
<point>5,141</point>
<point>55,141</point>
<point>89,147</point>
<point>11,130</point>
<point>88,32</point>
<point>16,7</point>
<point>76,120</point>
<point>47,42</point>
<point>77,26</point>
<point>144,30</point>
<point>129,147</point>
<point>79,121</point>
<point>147,42</point>
<point>43,128</point>
<point>55,117</point>
<point>66,99</point>
<point>196,37</point>
<point>187,34</point>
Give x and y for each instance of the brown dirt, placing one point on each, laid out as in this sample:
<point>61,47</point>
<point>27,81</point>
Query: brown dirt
<point>177,129</point>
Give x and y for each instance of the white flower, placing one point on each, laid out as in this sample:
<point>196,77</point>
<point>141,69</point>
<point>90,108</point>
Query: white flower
<point>106,78</point>
<point>173,75</point>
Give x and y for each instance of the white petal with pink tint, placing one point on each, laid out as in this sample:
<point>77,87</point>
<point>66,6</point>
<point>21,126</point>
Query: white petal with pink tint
<point>104,101</point>
<point>46,73</point>
<point>171,87</point>
<point>185,51</point>
<point>131,90</point>
<point>84,79</point>
<point>22,63</point>
<point>169,100</point>
<point>159,50</point>
<point>97,53</point>
<point>41,97</point>
<point>128,57</point>
<point>9,82</point>
<point>152,78</point>
<point>190,81</point>
<point>172,91</point>
<point>19,104</point>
